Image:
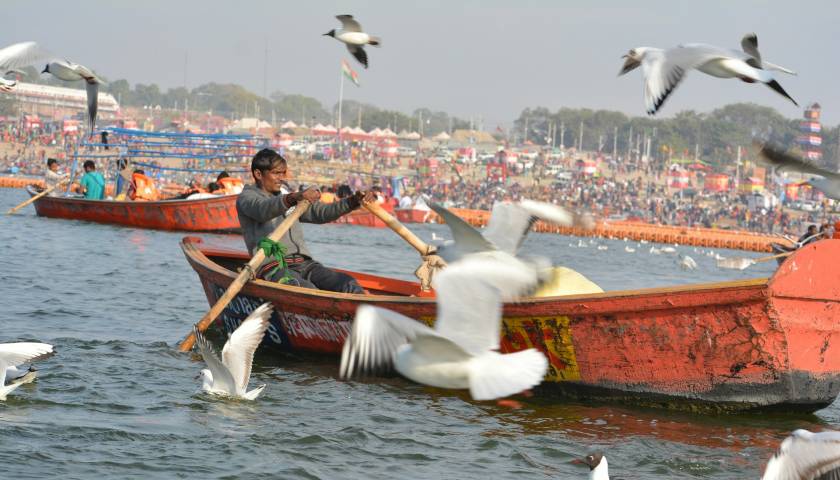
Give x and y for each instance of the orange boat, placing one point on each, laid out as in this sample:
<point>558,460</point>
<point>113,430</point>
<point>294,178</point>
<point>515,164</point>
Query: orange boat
<point>413,215</point>
<point>217,214</point>
<point>754,344</point>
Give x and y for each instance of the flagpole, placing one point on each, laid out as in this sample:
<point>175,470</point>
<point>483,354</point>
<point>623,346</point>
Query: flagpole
<point>340,101</point>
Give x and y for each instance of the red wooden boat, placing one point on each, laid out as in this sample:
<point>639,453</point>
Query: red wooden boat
<point>412,215</point>
<point>764,343</point>
<point>216,214</point>
<point>362,218</point>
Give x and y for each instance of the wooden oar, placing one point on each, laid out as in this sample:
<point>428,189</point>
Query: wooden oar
<point>36,197</point>
<point>245,275</point>
<point>431,262</point>
<point>422,247</point>
<point>740,263</point>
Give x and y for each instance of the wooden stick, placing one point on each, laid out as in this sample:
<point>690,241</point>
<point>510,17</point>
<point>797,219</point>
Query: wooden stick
<point>244,277</point>
<point>36,197</point>
<point>400,229</point>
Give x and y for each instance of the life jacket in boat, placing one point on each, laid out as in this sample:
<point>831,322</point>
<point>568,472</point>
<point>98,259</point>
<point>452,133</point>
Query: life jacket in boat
<point>144,188</point>
<point>327,197</point>
<point>231,185</point>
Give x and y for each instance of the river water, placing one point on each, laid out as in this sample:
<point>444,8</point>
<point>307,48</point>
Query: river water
<point>118,400</point>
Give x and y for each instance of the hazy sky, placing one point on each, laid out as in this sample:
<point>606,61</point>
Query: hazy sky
<point>472,58</point>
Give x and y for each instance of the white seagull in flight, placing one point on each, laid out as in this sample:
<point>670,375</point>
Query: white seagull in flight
<point>72,72</point>
<point>230,375</point>
<point>506,230</point>
<point>352,35</point>
<point>806,456</point>
<point>829,184</point>
<point>13,355</point>
<point>664,69</point>
<point>14,57</point>
<point>461,351</point>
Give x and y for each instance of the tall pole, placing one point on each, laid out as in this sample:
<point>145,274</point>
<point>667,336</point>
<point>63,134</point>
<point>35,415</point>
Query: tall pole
<point>526,131</point>
<point>340,101</point>
<point>615,144</point>
<point>580,137</point>
<point>630,144</point>
<point>359,120</point>
<point>563,135</point>
<point>420,114</point>
<point>265,69</point>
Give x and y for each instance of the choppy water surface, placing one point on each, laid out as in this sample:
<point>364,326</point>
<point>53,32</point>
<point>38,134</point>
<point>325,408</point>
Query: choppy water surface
<point>119,401</point>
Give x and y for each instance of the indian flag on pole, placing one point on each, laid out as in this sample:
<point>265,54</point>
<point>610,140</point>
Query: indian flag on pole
<point>349,73</point>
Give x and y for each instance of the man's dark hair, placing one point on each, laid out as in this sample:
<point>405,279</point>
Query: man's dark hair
<point>50,161</point>
<point>344,191</point>
<point>213,186</point>
<point>265,160</point>
<point>222,175</point>
<point>89,164</point>
<point>138,171</point>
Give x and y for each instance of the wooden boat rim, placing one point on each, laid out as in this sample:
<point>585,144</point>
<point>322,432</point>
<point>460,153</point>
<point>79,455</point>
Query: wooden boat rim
<point>192,248</point>
<point>132,203</point>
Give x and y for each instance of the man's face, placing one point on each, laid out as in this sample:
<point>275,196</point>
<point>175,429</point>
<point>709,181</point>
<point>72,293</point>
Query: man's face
<point>272,180</point>
<point>54,167</point>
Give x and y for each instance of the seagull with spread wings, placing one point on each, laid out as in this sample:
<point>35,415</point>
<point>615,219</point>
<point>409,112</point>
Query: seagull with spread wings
<point>507,228</point>
<point>461,351</point>
<point>663,70</point>
<point>230,375</point>
<point>352,35</point>
<point>73,72</point>
<point>13,355</point>
<point>14,57</point>
<point>775,156</point>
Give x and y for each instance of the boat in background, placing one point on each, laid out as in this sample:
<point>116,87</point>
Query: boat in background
<point>215,214</point>
<point>767,343</point>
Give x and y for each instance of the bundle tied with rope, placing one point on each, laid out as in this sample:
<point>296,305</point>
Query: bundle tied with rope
<point>276,250</point>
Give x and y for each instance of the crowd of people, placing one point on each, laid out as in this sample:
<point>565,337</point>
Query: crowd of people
<point>621,192</point>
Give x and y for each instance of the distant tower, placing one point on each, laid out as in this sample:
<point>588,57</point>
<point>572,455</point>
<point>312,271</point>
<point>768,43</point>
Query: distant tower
<point>810,139</point>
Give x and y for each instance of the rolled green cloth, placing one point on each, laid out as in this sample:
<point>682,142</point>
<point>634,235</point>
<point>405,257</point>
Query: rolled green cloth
<point>275,250</point>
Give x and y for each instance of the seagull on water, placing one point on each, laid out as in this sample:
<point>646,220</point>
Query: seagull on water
<point>598,467</point>
<point>664,69</point>
<point>829,184</point>
<point>461,351</point>
<point>230,375</point>
<point>14,57</point>
<point>506,230</point>
<point>687,263</point>
<point>72,72</point>
<point>13,355</point>
<point>352,35</point>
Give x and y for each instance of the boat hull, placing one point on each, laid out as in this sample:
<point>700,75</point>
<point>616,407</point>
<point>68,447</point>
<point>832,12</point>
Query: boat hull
<point>411,215</point>
<point>204,215</point>
<point>764,343</point>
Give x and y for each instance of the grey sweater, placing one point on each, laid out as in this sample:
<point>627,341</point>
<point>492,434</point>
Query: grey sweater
<point>261,212</point>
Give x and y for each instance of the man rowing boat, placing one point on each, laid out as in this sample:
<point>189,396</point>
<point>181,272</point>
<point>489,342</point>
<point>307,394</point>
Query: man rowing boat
<point>263,205</point>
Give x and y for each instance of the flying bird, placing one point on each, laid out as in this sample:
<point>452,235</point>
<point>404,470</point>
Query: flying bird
<point>461,351</point>
<point>663,70</point>
<point>829,184</point>
<point>230,375</point>
<point>598,467</point>
<point>72,72</point>
<point>13,355</point>
<point>507,228</point>
<point>806,456</point>
<point>352,35</point>
<point>14,57</point>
